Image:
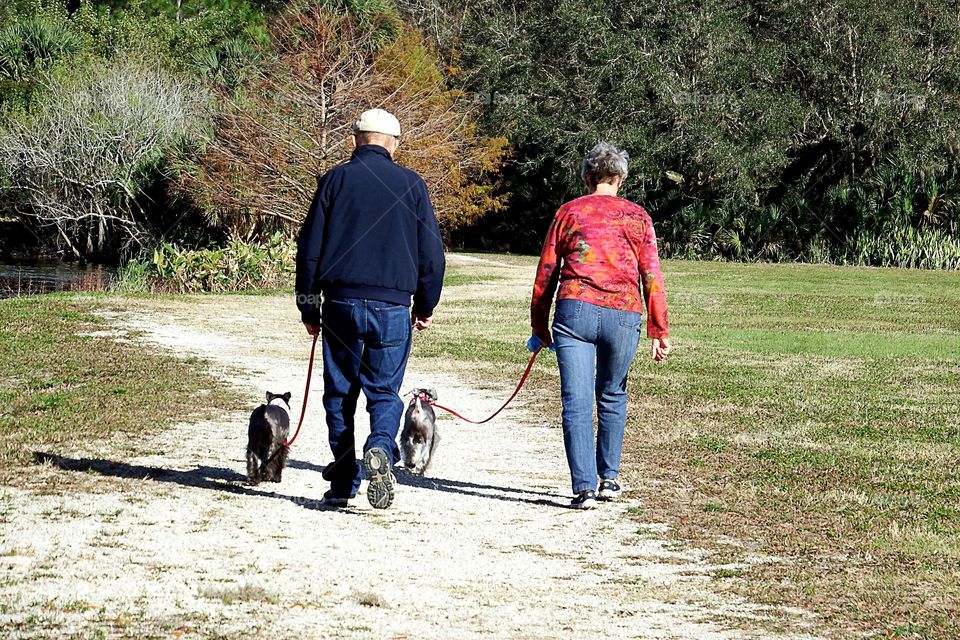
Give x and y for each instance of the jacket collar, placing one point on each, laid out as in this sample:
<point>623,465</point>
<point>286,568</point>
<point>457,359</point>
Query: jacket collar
<point>370,150</point>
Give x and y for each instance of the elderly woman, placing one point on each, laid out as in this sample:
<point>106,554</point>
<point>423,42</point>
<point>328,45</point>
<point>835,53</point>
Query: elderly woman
<point>602,252</point>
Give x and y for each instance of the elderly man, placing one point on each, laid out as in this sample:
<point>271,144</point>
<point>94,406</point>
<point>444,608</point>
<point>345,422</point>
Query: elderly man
<point>369,245</point>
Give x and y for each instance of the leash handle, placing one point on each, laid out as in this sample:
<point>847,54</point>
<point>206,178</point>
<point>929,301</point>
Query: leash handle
<point>523,379</point>
<point>306,391</point>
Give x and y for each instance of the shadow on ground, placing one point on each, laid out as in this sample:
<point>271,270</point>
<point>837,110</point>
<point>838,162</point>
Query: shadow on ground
<point>202,477</point>
<point>230,481</point>
<point>508,494</point>
<point>494,492</point>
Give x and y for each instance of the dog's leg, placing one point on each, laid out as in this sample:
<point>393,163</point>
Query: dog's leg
<point>431,450</point>
<point>421,458</point>
<point>253,468</point>
<point>279,461</point>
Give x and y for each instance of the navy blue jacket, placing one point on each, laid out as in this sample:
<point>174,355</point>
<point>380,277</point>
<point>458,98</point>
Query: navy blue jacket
<point>370,233</point>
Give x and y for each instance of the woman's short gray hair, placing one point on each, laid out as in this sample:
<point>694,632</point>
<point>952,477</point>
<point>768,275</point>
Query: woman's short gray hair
<point>602,163</point>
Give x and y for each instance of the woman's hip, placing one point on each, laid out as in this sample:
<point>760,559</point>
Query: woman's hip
<point>588,322</point>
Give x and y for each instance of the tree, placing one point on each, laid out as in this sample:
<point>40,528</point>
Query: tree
<point>743,118</point>
<point>78,161</point>
<point>291,122</point>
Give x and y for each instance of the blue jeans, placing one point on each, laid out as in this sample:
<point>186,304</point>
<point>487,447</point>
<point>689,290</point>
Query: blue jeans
<point>366,345</point>
<point>595,347</point>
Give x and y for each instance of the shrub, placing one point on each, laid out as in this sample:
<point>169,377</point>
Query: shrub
<point>239,266</point>
<point>31,45</point>
<point>77,163</point>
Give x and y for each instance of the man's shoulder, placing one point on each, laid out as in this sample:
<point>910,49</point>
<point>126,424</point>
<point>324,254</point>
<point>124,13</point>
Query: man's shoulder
<point>387,168</point>
<point>333,172</point>
<point>411,176</point>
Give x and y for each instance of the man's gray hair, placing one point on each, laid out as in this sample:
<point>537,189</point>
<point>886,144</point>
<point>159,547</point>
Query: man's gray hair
<point>603,163</point>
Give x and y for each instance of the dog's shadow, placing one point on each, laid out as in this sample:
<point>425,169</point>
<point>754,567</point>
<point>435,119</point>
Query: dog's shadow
<point>201,477</point>
<point>230,481</point>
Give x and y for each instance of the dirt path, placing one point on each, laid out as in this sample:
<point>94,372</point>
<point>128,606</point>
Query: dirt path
<point>170,543</point>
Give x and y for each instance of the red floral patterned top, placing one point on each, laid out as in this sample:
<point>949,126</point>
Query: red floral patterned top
<point>608,251</point>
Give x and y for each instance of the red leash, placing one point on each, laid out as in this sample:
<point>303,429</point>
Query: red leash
<point>306,392</point>
<point>523,379</point>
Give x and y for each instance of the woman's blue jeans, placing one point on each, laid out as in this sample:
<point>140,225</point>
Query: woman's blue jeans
<point>595,347</point>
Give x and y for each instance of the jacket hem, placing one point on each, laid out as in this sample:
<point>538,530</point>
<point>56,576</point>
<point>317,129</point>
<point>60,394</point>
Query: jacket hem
<point>380,294</point>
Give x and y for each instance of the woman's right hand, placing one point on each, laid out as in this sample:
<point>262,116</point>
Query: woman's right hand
<point>544,336</point>
<point>660,349</point>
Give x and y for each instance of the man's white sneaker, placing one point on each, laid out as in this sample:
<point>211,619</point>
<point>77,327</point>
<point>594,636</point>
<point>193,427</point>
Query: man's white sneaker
<point>609,490</point>
<point>585,500</point>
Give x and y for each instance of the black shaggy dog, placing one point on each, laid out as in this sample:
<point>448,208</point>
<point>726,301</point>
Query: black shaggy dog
<point>419,437</point>
<point>269,428</point>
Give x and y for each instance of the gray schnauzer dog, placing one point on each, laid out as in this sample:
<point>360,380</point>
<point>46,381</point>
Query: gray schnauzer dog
<point>269,428</point>
<point>419,437</point>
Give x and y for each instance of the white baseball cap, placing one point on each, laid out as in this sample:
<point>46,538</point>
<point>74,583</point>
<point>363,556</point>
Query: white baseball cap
<point>378,121</point>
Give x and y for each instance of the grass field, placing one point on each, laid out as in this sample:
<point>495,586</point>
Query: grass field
<point>808,413</point>
<point>61,382</point>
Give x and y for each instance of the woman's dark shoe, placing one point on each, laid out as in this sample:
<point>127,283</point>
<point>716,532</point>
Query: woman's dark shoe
<point>609,490</point>
<point>380,490</point>
<point>585,500</point>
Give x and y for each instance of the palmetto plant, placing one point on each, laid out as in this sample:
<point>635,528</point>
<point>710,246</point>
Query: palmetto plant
<point>237,267</point>
<point>32,44</point>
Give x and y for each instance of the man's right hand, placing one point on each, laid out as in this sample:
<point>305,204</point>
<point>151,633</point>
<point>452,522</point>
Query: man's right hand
<point>312,329</point>
<point>421,322</point>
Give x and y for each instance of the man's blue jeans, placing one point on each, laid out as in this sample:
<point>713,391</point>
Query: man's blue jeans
<point>595,347</point>
<point>366,345</point>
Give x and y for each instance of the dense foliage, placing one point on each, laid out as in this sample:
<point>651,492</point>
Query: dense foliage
<point>95,106</point>
<point>79,159</point>
<point>768,129</point>
<point>821,130</point>
<point>239,266</point>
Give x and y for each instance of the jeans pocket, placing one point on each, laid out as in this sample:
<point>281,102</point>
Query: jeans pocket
<point>393,324</point>
<point>630,319</point>
<point>567,310</point>
<point>337,311</point>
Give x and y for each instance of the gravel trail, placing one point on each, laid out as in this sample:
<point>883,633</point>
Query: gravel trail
<point>170,542</point>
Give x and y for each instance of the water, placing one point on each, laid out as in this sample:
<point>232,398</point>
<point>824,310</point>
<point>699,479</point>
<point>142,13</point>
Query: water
<point>40,275</point>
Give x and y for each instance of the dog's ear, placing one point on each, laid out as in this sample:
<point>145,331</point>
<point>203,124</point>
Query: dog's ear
<point>270,397</point>
<point>432,393</point>
<point>287,396</point>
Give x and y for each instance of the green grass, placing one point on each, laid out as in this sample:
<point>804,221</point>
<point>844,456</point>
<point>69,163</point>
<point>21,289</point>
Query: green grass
<point>811,412</point>
<point>58,387</point>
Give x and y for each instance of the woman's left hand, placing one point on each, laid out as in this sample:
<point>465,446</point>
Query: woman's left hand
<point>660,349</point>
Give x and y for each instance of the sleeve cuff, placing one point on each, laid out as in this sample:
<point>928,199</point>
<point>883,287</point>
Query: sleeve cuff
<point>311,318</point>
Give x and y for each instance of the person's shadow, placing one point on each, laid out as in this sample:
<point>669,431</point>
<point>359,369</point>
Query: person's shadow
<point>230,481</point>
<point>494,492</point>
<point>508,494</point>
<point>201,477</point>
